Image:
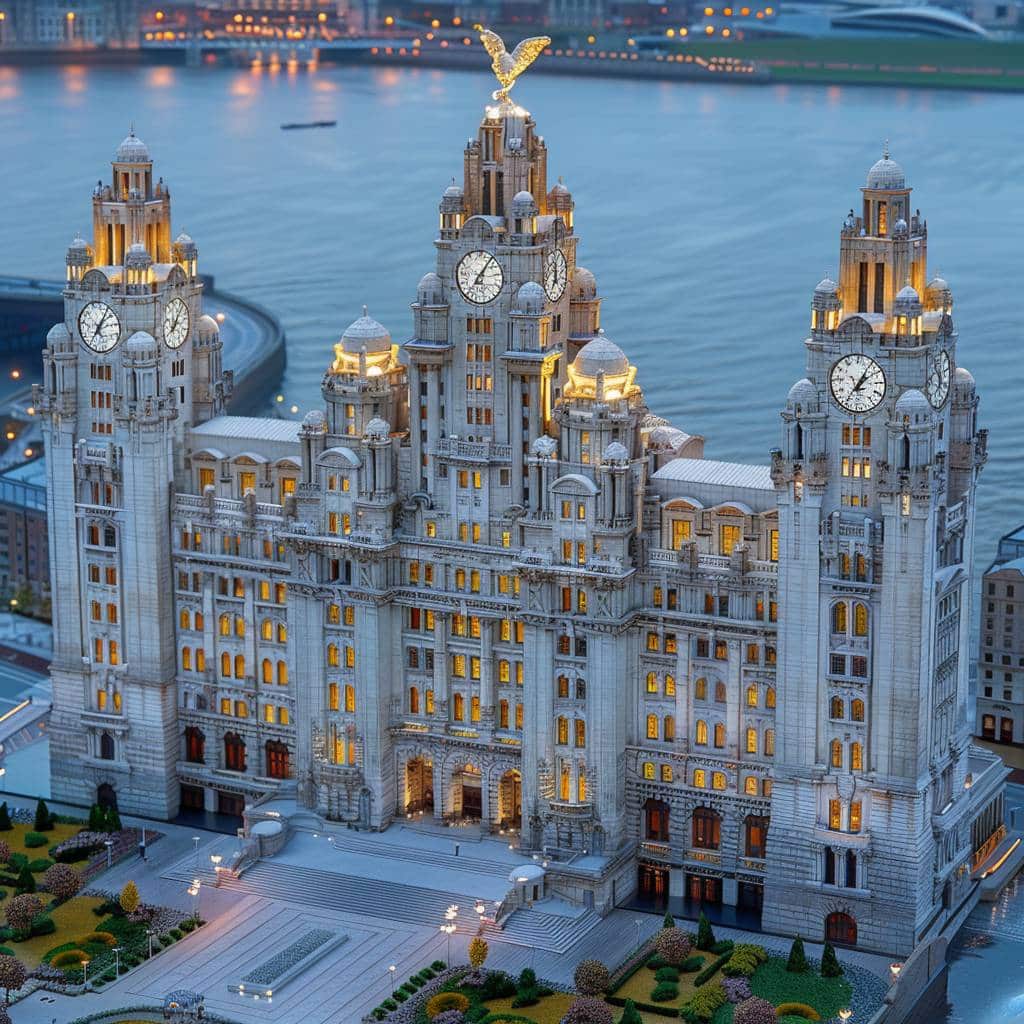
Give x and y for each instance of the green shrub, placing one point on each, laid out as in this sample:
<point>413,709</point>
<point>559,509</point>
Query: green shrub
<point>43,822</point>
<point>665,992</point>
<point>669,921</point>
<point>797,963</point>
<point>5,818</point>
<point>165,940</point>
<point>630,1014</point>
<point>389,1005</point>
<point>801,1010</point>
<point>43,925</point>
<point>16,862</point>
<point>438,965</point>
<point>34,839</point>
<point>188,925</point>
<point>691,964</point>
<point>667,974</point>
<point>705,936</point>
<point>706,1000</point>
<point>176,933</point>
<point>408,988</point>
<point>497,985</point>
<point>39,864</point>
<point>69,958</point>
<point>399,995</point>
<point>745,959</point>
<point>710,970</point>
<point>655,962</point>
<point>722,947</point>
<point>830,966</point>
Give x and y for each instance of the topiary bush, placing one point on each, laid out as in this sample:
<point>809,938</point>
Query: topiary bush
<point>34,839</point>
<point>129,898</point>
<point>797,963</point>
<point>746,958</point>
<point>691,964</point>
<point>21,912</point>
<point>62,881</point>
<point>5,852</point>
<point>673,946</point>
<point>797,1010</point>
<point>667,974</point>
<point>437,1005</point>
<point>43,821</point>
<point>5,818</point>
<point>754,1011</point>
<point>630,1014</point>
<point>588,1010</point>
<point>705,936</point>
<point>69,958</point>
<point>706,1000</point>
<point>12,973</point>
<point>591,978</point>
<point>664,992</point>
<point>668,921</point>
<point>477,952</point>
<point>830,966</point>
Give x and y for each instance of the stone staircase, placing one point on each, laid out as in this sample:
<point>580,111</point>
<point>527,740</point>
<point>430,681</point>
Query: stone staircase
<point>555,933</point>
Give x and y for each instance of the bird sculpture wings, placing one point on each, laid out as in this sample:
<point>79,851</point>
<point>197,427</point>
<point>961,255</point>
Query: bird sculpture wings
<point>509,66</point>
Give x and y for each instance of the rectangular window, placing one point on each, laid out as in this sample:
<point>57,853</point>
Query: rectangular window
<point>728,538</point>
<point>834,815</point>
<point>879,287</point>
<point>862,287</point>
<point>680,533</point>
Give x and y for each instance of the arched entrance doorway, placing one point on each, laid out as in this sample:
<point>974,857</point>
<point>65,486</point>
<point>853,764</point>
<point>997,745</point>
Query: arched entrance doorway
<point>510,800</point>
<point>467,797</point>
<point>841,929</point>
<point>419,786</point>
<point>106,797</point>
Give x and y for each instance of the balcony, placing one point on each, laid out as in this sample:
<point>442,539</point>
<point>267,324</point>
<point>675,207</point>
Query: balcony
<point>472,451</point>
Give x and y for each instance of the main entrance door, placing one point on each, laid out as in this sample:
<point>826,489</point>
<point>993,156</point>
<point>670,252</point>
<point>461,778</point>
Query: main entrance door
<point>469,780</point>
<point>652,883</point>
<point>1005,730</point>
<point>704,890</point>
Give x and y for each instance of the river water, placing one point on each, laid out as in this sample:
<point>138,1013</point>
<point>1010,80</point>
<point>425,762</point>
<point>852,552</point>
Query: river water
<point>707,213</point>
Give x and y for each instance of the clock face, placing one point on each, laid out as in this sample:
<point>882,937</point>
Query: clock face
<point>555,274</point>
<point>937,385</point>
<point>99,327</point>
<point>479,277</point>
<point>175,323</point>
<point>857,383</point>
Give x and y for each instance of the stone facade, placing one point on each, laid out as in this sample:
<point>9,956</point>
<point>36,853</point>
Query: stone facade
<point>486,584</point>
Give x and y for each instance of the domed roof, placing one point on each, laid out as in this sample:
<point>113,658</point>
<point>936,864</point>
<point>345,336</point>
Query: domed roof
<point>314,420</point>
<point>378,428</point>
<point>912,403</point>
<point>826,286</point>
<point>132,150</point>
<point>963,377</point>
<point>802,393</point>
<point>141,343</point>
<point>207,327</point>
<point>78,252</point>
<point>57,335</point>
<point>523,199</point>
<point>615,452</point>
<point>185,243</point>
<point>584,284</point>
<point>366,333</point>
<point>900,227</point>
<point>137,256</point>
<point>601,355</point>
<point>530,298</point>
<point>886,174</point>
<point>78,244</point>
<point>453,191</point>
<point>545,446</point>
<point>907,296</point>
<point>430,291</point>
<point>558,189</point>
<point>666,436</point>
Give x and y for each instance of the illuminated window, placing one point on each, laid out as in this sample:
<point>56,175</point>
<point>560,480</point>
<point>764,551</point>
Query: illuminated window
<point>652,683</point>
<point>750,785</point>
<point>834,815</point>
<point>563,731</point>
<point>666,773</point>
<point>728,538</point>
<point>332,696</point>
<point>751,741</point>
<point>702,732</point>
<point>669,729</point>
<point>719,735</point>
<point>652,727</point>
<point>752,696</point>
<point>670,686</point>
<point>857,710</point>
<point>837,754</point>
<point>680,533</point>
<point>836,707</point>
<point>581,732</point>
<point>718,780</point>
<point>350,697</point>
<point>855,818</point>
<point>769,742</point>
<point>699,778</point>
<point>700,689</point>
<point>856,757</point>
<point>860,620</point>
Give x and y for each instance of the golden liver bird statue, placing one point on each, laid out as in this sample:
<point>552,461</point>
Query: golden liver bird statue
<point>509,66</point>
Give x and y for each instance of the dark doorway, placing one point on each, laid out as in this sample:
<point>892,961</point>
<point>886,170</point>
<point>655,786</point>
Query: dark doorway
<point>652,886</point>
<point>704,890</point>
<point>751,896</point>
<point>105,795</point>
<point>1005,730</point>
<point>472,801</point>
<point>230,803</point>
<point>841,929</point>
<point>192,798</point>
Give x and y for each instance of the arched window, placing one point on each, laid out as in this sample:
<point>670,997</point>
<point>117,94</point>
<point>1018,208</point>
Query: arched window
<point>719,735</point>
<point>266,671</point>
<point>769,697</point>
<point>756,835</point>
<point>700,689</point>
<point>750,785</point>
<point>429,701</point>
<point>332,696</point>
<point>648,770</point>
<point>751,741</point>
<point>860,619</point>
<point>839,617</point>
<point>225,664</point>
<point>459,707</point>
<point>563,686</point>
<point>106,746</point>
<point>234,752</point>
<point>267,629</point>
<point>707,828</point>
<point>195,745</point>
<point>277,760</point>
<point>563,783</point>
<point>282,673</point>
<point>474,708</point>
<point>563,730</point>
<point>239,666</point>
<point>186,659</point>
<point>414,700</point>
<point>769,742</point>
<point>837,754</point>
<point>670,686</point>
<point>198,621</point>
<point>332,655</point>
<point>836,707</point>
<point>184,619</point>
<point>282,633</point>
<point>656,820</point>
<point>581,732</point>
<point>702,732</point>
<point>720,695</point>
<point>350,697</point>
<point>857,709</point>
<point>652,683</point>
<point>581,689</point>
<point>841,929</point>
<point>856,757</point>
<point>668,731</point>
<point>752,695</point>
<point>224,625</point>
<point>652,727</point>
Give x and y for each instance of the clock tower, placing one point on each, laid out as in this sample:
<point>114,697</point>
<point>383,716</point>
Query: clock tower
<point>131,366</point>
<point>875,480</point>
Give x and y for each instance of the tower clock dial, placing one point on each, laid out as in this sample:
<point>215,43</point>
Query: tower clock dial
<point>857,383</point>
<point>555,274</point>
<point>479,277</point>
<point>176,323</point>
<point>937,384</point>
<point>99,327</point>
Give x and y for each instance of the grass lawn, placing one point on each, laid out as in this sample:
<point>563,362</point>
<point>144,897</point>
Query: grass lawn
<point>641,985</point>
<point>73,920</point>
<point>550,1010</point>
<point>15,839</point>
<point>773,982</point>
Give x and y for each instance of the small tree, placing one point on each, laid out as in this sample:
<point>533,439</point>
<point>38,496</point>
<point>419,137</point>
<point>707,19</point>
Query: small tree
<point>22,911</point>
<point>669,921</point>
<point>830,965</point>
<point>12,975</point>
<point>630,1014</point>
<point>591,978</point>
<point>96,818</point>
<point>797,963</point>
<point>673,946</point>
<point>588,1010</point>
<point>26,880</point>
<point>62,880</point>
<point>528,978</point>
<point>111,820</point>
<point>705,936</point>
<point>129,898</point>
<point>477,952</point>
<point>44,820</point>
<point>5,818</point>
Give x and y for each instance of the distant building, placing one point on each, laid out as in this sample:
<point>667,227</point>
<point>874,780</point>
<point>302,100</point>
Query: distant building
<point>24,555</point>
<point>1001,661</point>
<point>69,23</point>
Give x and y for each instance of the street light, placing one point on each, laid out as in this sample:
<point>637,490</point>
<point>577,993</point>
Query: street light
<point>894,970</point>
<point>449,930</point>
<point>149,935</point>
<point>845,1015</point>
<point>85,971</point>
<point>391,975</point>
<point>117,962</point>
<point>109,844</point>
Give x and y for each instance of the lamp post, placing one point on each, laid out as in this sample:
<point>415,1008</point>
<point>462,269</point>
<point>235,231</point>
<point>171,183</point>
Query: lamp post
<point>149,935</point>
<point>449,930</point>
<point>479,908</point>
<point>894,970</point>
<point>109,844</point>
<point>117,962</point>
<point>195,846</point>
<point>215,859</point>
<point>85,971</point>
<point>193,891</point>
<point>845,1015</point>
<point>391,976</point>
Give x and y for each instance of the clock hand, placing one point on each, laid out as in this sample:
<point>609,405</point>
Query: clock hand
<point>863,377</point>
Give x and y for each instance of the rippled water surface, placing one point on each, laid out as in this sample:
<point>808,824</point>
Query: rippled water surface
<point>708,213</point>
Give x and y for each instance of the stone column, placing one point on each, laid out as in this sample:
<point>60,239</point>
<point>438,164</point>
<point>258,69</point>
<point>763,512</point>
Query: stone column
<point>415,425</point>
<point>441,696</point>
<point>538,671</point>
<point>487,716</point>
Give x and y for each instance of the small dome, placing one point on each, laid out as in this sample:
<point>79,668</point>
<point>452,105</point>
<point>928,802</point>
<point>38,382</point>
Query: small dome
<point>430,292</point>
<point>141,343</point>
<point>886,174</point>
<point>453,191</point>
<point>907,299</point>
<point>911,404</point>
<point>207,328</point>
<point>938,284</point>
<point>963,378</point>
<point>523,201</point>
<point>900,227</point>
<point>615,452</point>
<point>78,253</point>
<point>803,394</point>
<point>545,446</point>
<point>601,355</point>
<point>184,243</point>
<point>132,150</point>
<point>558,189</point>
<point>826,286</point>
<point>666,437</point>
<point>366,333</point>
<point>137,257</point>
<point>530,299</point>
<point>58,334</point>
<point>584,285</point>
<point>378,428</point>
<point>78,244</point>
<point>560,198</point>
<point>314,420</point>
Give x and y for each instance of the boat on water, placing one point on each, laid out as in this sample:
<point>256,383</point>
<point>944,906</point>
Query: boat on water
<point>291,125</point>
